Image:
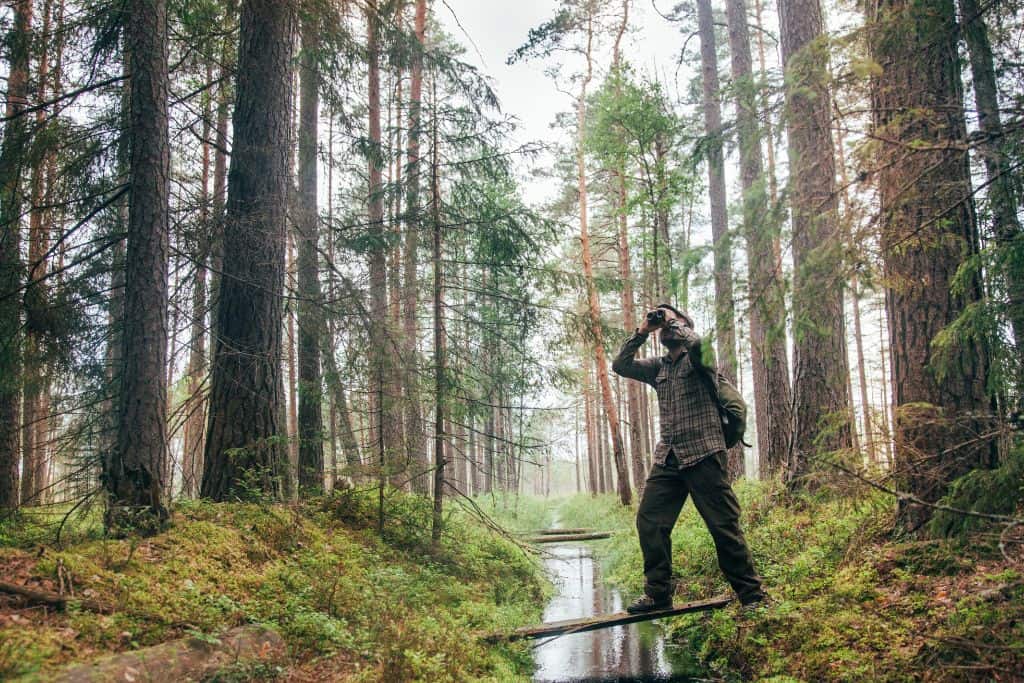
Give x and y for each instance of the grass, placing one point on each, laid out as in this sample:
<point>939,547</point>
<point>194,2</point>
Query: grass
<point>351,604</point>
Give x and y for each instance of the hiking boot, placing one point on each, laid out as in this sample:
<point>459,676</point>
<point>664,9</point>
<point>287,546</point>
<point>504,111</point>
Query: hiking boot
<point>645,603</point>
<point>754,606</point>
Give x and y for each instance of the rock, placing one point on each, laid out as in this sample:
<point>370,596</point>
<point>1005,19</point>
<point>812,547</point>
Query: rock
<point>186,659</point>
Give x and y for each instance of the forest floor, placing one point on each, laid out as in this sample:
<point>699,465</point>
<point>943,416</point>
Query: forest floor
<point>350,604</point>
<point>850,599</point>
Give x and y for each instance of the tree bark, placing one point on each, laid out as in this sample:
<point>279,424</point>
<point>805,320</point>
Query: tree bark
<point>245,453</point>
<point>310,318</point>
<point>12,156</point>
<point>136,471</point>
<point>927,231</point>
<point>820,364</point>
<point>766,289</point>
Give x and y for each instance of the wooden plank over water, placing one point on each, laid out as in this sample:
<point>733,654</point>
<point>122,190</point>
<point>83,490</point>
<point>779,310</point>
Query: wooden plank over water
<point>563,532</point>
<point>565,538</point>
<point>558,628</point>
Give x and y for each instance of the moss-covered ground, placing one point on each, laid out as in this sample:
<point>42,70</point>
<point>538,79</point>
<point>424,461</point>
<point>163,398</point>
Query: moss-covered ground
<point>352,604</point>
<point>850,599</point>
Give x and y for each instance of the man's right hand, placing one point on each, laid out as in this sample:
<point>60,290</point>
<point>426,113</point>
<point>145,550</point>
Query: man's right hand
<point>646,327</point>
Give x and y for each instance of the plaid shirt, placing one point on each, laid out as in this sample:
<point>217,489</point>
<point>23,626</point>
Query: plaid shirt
<point>691,426</point>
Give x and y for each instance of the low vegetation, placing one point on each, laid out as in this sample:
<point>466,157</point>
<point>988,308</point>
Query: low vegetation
<point>851,599</point>
<point>350,604</point>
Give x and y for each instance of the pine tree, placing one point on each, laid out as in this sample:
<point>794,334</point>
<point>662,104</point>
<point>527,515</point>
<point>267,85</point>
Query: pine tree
<point>245,451</point>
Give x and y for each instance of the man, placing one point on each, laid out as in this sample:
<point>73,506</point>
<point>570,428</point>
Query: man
<point>690,459</point>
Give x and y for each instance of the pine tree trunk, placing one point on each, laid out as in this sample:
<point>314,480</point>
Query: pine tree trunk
<point>137,469</point>
<point>191,461</point>
<point>767,306</point>
<point>383,410</point>
<point>310,318</point>
<point>1004,183</point>
<point>12,155</point>
<point>855,293</point>
<point>625,494</point>
<point>590,421</point>
<point>773,190</point>
<point>34,412</point>
<point>244,449</point>
<point>440,354</point>
<point>725,325</point>
<point>637,445</point>
<point>349,443</point>
<point>413,416</point>
<point>927,231</point>
<point>820,363</point>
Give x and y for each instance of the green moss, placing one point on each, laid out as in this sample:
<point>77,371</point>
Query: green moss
<point>319,573</point>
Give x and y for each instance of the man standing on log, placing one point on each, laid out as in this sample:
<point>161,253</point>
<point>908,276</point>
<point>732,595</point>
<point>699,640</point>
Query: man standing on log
<point>689,459</point>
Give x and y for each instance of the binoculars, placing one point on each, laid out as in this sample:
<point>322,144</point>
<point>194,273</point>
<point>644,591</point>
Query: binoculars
<point>656,317</point>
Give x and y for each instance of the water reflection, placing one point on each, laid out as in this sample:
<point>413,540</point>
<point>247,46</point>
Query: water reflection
<point>635,652</point>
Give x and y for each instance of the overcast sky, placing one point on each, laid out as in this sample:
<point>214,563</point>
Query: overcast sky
<point>492,29</point>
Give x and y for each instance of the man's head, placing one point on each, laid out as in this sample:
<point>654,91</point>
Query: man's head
<point>669,338</point>
<point>673,312</point>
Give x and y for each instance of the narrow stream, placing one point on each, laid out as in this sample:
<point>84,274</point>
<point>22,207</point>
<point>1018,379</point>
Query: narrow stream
<point>636,652</point>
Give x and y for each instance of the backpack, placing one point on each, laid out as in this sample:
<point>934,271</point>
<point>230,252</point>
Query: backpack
<point>731,407</point>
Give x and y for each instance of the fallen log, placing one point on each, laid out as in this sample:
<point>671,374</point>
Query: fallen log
<point>186,659</point>
<point>557,628</point>
<point>564,538</point>
<point>562,532</point>
<point>39,596</point>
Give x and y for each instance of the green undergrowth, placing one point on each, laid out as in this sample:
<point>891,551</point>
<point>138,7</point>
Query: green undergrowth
<point>850,601</point>
<point>350,603</point>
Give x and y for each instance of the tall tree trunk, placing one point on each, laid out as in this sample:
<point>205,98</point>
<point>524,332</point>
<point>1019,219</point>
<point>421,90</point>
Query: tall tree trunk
<point>12,158</point>
<point>725,325</point>
<point>136,471</point>
<point>349,443</point>
<point>588,422</point>
<point>191,461</point>
<point>820,364</point>
<point>887,389</point>
<point>290,338</point>
<point>440,354</point>
<point>659,214</point>
<point>766,289</point>
<point>310,318</point>
<point>637,445</point>
<point>384,407</point>
<point>928,230</point>
<point>773,190</point>
<point>625,494</point>
<point>1004,184</point>
<point>244,449</point>
<point>489,427</point>
<point>413,418</point>
<point>855,293</point>
<point>34,405</point>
